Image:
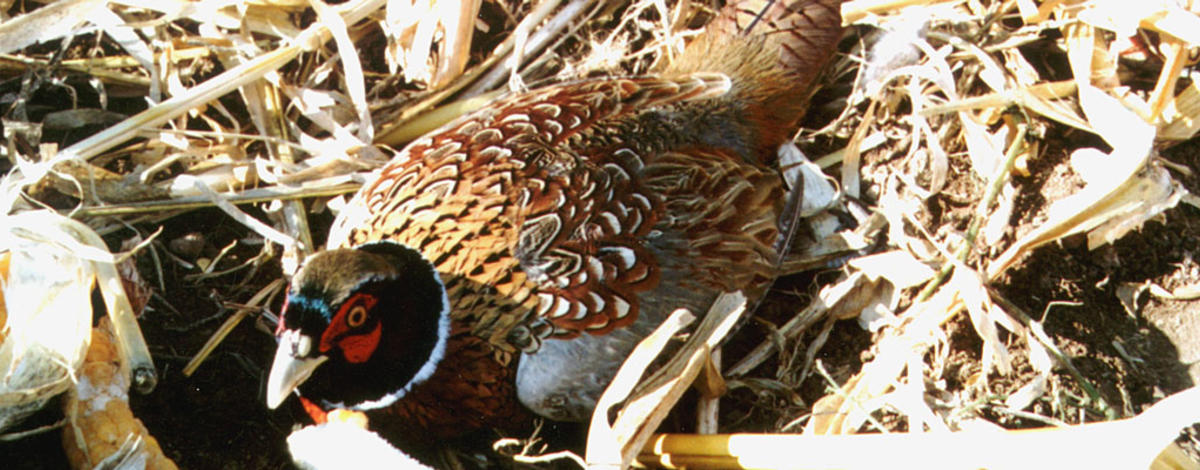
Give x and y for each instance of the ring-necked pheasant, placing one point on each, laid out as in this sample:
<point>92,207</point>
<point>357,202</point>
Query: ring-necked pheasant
<point>518,254</point>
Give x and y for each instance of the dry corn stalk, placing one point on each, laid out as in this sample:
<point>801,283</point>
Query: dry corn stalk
<point>101,428</point>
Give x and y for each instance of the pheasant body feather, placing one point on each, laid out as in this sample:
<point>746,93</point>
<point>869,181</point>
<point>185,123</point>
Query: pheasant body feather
<point>560,226</point>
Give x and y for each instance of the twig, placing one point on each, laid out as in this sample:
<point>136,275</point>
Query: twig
<point>277,193</point>
<point>997,183</point>
<point>257,300</point>
<point>535,37</point>
<point>551,457</point>
<point>18,435</point>
<point>1063,359</point>
<point>793,327</point>
<point>231,210</point>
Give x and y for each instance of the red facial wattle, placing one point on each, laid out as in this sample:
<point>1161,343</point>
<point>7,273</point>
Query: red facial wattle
<point>346,329</point>
<point>318,414</point>
<point>358,348</point>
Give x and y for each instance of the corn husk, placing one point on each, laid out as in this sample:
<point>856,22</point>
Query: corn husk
<point>52,265</point>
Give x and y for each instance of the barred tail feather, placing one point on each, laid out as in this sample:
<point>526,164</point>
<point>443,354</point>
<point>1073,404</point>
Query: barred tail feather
<point>805,31</point>
<point>775,49</point>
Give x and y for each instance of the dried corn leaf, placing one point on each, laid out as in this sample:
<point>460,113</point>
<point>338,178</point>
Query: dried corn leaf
<point>56,20</point>
<point>413,26</point>
<point>913,333</point>
<point>1180,119</point>
<point>616,445</point>
<point>1144,441</point>
<point>1120,194</point>
<point>1124,18</point>
<point>1042,364</point>
<point>897,267</point>
<point>605,445</point>
<point>984,317</point>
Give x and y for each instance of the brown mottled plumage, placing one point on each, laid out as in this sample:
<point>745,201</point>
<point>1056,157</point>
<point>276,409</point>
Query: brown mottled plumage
<point>561,225</point>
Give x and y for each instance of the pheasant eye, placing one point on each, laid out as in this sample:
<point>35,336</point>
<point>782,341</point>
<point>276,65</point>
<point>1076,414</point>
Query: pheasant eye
<point>356,316</point>
<point>344,330</point>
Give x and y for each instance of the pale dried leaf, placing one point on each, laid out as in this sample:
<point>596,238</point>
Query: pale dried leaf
<point>909,398</point>
<point>1027,394</point>
<point>125,36</point>
<point>986,149</point>
<point>897,208</point>
<point>1119,17</point>
<point>458,23</point>
<point>897,267</point>
<point>997,223</point>
<point>1125,17</point>
<point>604,444</point>
<point>1111,193</point>
<point>1151,193</point>
<point>1039,356</point>
<point>352,74</point>
<point>1128,294</point>
<point>410,26</point>
<point>875,308</point>
<point>969,285</point>
<point>1181,116</point>
<point>819,190</point>
<point>1172,19</point>
<point>919,330</point>
<point>1081,50</point>
<point>53,21</point>
<point>1128,134</point>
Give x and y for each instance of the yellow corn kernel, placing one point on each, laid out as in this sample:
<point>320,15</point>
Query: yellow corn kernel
<point>356,418</point>
<point>3,279</point>
<point>101,425</point>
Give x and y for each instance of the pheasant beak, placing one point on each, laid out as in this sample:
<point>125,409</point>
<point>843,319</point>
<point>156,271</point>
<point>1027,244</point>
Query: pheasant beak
<point>291,366</point>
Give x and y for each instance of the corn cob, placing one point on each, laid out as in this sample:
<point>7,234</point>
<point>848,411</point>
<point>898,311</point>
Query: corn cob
<point>100,424</point>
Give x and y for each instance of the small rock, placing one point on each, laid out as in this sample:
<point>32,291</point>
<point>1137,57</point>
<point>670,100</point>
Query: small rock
<point>188,246</point>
